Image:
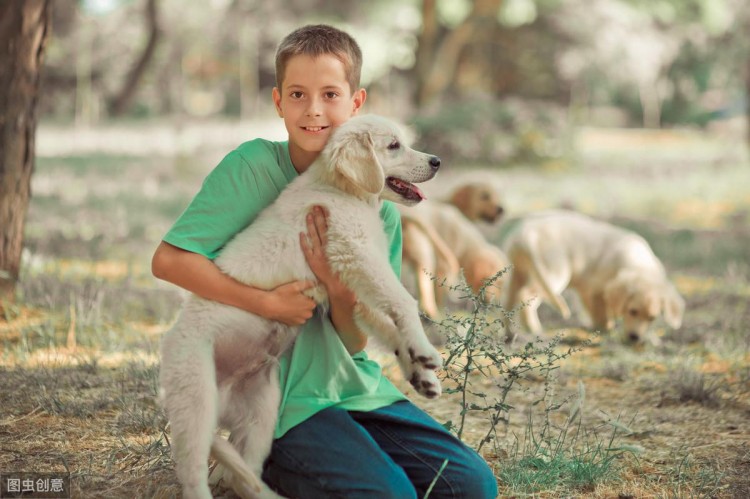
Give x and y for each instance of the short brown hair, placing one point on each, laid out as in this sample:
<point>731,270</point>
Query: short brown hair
<point>320,39</point>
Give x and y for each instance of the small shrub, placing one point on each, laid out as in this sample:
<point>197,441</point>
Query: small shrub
<point>694,386</point>
<point>476,352</point>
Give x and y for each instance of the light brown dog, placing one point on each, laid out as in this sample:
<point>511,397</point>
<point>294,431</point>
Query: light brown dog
<point>439,238</point>
<point>477,202</point>
<point>613,270</point>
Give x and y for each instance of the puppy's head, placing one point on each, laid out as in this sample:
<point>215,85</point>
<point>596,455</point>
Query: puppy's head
<point>478,202</point>
<point>367,156</point>
<point>639,300</point>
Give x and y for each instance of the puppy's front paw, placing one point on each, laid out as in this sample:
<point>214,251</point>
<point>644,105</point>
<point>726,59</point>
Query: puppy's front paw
<point>426,383</point>
<point>419,364</point>
<point>426,356</point>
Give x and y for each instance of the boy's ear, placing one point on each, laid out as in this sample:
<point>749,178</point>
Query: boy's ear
<point>358,100</point>
<point>276,95</point>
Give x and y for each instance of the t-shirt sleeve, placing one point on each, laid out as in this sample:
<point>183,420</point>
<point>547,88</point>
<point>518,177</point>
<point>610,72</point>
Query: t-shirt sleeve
<point>229,199</point>
<point>392,224</point>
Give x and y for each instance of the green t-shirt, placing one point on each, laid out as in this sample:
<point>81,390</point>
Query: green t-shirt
<point>317,372</point>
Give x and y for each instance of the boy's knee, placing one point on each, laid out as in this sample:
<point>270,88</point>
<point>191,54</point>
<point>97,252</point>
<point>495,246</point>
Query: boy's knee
<point>390,485</point>
<point>481,484</point>
<point>474,478</point>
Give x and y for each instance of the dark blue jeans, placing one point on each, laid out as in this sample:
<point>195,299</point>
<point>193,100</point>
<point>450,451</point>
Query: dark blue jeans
<point>392,452</point>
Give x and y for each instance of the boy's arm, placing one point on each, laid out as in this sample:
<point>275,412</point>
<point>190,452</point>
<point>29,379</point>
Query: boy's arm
<point>340,298</point>
<point>199,275</point>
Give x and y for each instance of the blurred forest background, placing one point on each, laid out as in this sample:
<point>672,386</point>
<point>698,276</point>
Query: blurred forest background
<point>485,80</point>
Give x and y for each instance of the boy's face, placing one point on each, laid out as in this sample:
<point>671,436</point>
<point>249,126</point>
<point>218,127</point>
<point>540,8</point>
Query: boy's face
<point>315,97</point>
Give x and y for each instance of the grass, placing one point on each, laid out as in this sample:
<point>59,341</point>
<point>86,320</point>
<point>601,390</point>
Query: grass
<point>88,405</point>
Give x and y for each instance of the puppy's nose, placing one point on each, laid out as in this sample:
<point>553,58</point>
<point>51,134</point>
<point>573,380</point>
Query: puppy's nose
<point>435,162</point>
<point>500,210</point>
<point>633,336</point>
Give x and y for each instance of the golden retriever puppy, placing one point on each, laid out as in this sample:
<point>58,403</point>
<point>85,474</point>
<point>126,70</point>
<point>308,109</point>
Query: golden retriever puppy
<point>429,257</point>
<point>478,258</point>
<point>218,363</point>
<point>478,202</point>
<point>613,270</point>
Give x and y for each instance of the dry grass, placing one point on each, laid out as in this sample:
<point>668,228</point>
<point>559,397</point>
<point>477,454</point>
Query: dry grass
<point>88,406</point>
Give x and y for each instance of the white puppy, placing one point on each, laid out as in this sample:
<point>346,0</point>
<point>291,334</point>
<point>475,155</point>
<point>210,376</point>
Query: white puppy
<point>218,363</point>
<point>613,270</point>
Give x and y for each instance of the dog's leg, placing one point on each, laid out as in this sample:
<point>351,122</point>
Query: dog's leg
<point>513,299</point>
<point>191,403</point>
<point>386,311</point>
<point>419,251</point>
<point>529,315</point>
<point>597,309</point>
<point>418,367</point>
<point>260,397</point>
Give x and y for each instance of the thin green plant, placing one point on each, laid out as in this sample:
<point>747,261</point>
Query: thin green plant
<point>481,353</point>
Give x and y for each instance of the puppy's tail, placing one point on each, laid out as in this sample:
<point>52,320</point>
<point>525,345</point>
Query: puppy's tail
<point>227,455</point>
<point>441,247</point>
<point>554,298</point>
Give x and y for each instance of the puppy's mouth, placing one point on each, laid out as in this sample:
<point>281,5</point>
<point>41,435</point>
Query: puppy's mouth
<point>405,189</point>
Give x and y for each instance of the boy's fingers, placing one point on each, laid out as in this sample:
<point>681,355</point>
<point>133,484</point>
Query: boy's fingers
<point>321,223</point>
<point>312,228</point>
<point>303,285</point>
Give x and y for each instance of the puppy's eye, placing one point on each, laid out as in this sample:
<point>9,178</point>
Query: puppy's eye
<point>394,145</point>
<point>633,312</point>
<point>485,196</point>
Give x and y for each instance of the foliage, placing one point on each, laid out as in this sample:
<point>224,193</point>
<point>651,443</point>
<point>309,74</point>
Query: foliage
<point>550,457</point>
<point>476,352</point>
<point>496,132</point>
<point>672,61</point>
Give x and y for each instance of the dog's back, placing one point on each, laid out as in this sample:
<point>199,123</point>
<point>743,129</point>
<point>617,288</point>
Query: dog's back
<point>582,245</point>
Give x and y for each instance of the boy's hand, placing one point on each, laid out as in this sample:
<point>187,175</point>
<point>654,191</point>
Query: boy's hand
<point>288,303</point>
<point>314,245</point>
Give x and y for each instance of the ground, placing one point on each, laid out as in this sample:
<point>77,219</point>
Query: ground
<point>79,361</point>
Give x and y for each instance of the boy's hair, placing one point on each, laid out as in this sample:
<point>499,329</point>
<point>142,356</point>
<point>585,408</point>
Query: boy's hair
<point>316,40</point>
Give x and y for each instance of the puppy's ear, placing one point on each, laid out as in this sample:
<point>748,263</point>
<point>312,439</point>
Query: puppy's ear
<point>616,295</point>
<point>354,159</point>
<point>461,199</point>
<point>674,307</point>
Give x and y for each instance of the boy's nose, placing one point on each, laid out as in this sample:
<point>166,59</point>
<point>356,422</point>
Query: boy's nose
<point>314,108</point>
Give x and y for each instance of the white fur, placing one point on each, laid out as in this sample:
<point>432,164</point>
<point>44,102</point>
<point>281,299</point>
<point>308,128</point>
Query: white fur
<point>218,363</point>
<point>613,270</point>
<point>439,239</point>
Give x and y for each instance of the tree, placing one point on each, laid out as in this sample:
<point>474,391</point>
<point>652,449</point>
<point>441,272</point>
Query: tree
<point>124,97</point>
<point>24,27</point>
<point>439,50</point>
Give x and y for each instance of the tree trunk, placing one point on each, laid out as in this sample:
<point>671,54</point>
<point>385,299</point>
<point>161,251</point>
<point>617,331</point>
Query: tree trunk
<point>437,70</point>
<point>24,25</point>
<point>124,98</point>
<point>747,99</point>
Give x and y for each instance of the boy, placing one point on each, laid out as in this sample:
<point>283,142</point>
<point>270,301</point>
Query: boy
<point>344,430</point>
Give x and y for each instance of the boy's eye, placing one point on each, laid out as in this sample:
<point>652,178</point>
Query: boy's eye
<point>394,145</point>
<point>331,95</point>
<point>296,95</point>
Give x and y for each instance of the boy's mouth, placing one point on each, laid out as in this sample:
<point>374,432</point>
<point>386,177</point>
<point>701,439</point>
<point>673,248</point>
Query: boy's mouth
<point>314,129</point>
